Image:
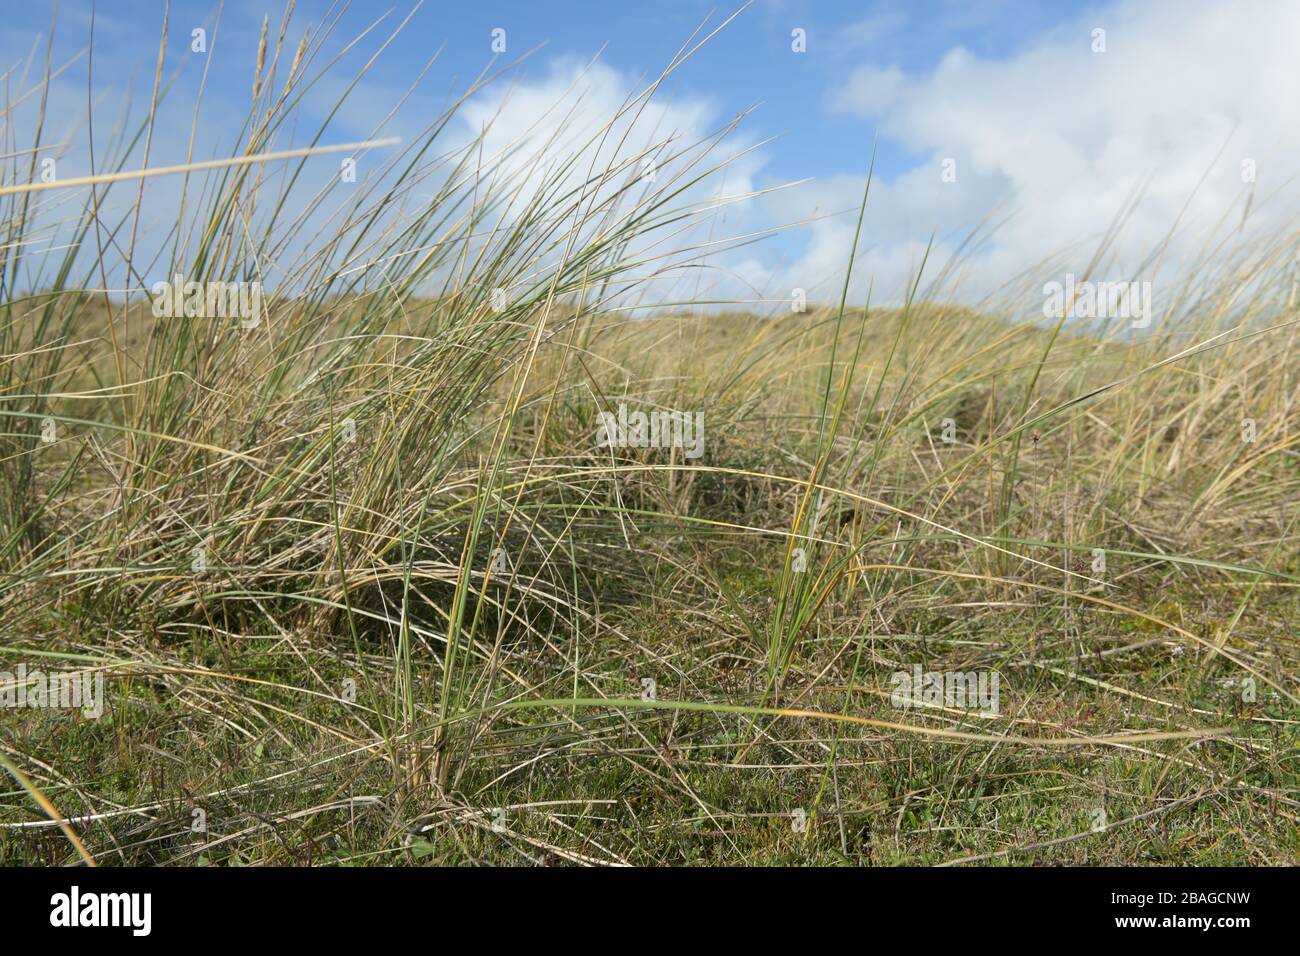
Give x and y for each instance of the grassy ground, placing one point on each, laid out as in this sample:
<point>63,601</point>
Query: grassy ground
<point>226,689</point>
<point>365,590</point>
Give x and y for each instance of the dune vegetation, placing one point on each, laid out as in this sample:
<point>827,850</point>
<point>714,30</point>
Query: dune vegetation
<point>365,588</point>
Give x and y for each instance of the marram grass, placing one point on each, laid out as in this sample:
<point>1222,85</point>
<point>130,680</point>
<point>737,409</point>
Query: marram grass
<point>366,589</point>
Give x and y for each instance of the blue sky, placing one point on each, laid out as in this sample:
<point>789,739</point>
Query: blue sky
<point>1044,131</point>
<point>750,62</point>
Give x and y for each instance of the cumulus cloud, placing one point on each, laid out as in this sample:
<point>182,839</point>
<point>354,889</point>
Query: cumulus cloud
<point>1188,102</point>
<point>583,118</point>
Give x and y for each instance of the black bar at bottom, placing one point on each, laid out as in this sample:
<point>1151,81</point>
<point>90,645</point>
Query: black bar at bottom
<point>333,906</point>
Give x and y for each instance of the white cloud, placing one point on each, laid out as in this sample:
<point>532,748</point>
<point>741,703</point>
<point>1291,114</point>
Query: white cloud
<point>1060,138</point>
<point>559,115</point>
<point>531,128</point>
